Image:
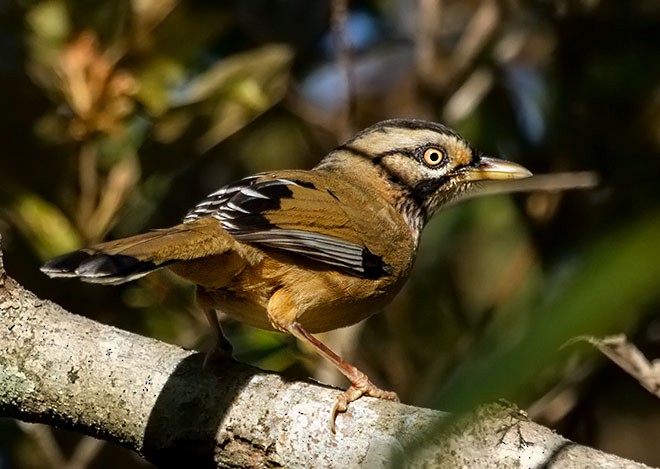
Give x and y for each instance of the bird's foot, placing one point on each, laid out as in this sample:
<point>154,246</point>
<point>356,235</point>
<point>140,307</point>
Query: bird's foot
<point>362,387</point>
<point>219,355</point>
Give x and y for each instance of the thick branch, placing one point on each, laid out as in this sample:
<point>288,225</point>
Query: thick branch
<point>154,398</point>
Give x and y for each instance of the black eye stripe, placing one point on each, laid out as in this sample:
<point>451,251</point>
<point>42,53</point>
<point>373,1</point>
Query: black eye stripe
<point>416,152</point>
<point>426,188</point>
<point>397,151</point>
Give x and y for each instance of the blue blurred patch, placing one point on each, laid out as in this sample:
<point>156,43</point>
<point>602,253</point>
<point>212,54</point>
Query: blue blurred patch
<point>374,73</point>
<point>528,95</point>
<point>362,31</point>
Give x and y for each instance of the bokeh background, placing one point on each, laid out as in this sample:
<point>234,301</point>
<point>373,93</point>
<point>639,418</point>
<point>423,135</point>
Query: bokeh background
<point>118,116</point>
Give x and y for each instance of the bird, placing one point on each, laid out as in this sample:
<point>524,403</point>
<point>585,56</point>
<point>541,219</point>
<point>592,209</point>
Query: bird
<point>308,251</point>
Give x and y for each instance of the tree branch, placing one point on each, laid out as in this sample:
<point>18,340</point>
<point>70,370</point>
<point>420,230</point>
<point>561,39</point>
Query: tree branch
<point>69,371</point>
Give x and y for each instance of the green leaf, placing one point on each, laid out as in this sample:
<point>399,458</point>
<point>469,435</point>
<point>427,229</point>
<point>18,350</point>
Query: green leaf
<point>46,228</point>
<point>615,278</point>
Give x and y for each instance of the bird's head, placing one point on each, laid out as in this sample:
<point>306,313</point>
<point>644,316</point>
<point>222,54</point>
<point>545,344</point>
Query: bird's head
<point>430,163</point>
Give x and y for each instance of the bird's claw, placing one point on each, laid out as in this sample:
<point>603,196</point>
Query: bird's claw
<point>353,393</point>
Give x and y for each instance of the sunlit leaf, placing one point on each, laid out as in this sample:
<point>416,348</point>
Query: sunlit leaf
<point>50,27</point>
<point>49,231</point>
<point>263,67</point>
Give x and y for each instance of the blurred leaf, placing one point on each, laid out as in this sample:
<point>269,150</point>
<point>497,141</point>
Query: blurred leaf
<point>157,77</point>
<point>46,228</point>
<point>616,277</point>
<point>232,92</point>
<point>272,145</point>
<point>50,27</point>
<point>120,181</point>
<point>248,77</point>
<point>247,85</point>
<point>265,349</point>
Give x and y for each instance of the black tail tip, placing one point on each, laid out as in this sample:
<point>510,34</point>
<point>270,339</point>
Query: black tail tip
<point>97,267</point>
<point>65,265</point>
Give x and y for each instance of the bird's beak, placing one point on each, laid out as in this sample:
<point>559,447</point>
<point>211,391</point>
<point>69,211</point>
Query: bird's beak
<point>493,169</point>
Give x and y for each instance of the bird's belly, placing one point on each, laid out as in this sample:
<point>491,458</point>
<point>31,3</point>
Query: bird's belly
<point>329,299</point>
<point>322,317</point>
<point>249,307</point>
<point>339,314</point>
<point>321,300</point>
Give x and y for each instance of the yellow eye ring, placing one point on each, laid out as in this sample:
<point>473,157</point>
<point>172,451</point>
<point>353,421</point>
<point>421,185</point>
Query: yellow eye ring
<point>433,157</point>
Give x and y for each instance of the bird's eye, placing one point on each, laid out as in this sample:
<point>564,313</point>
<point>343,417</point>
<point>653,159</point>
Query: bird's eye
<point>433,157</point>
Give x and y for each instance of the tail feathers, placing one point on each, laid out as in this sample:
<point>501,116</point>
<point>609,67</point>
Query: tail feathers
<point>98,267</point>
<point>127,259</point>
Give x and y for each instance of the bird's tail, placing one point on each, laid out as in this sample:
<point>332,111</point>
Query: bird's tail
<point>127,259</point>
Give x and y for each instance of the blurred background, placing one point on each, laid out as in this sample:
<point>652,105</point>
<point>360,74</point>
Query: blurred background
<point>118,116</point>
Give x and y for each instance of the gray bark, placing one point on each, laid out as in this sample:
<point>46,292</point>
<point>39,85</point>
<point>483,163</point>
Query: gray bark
<point>72,372</point>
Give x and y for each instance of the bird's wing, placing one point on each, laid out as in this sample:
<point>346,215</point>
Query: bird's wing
<point>299,213</point>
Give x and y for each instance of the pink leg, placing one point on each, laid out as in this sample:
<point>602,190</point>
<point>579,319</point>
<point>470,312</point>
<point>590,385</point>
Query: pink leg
<point>360,384</point>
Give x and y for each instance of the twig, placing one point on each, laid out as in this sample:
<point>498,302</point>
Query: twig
<point>345,61</point>
<point>555,182</point>
<point>426,55</point>
<point>88,183</point>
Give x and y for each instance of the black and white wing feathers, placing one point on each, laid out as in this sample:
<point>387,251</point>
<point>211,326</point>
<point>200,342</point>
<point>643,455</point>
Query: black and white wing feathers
<point>215,201</point>
<point>292,215</point>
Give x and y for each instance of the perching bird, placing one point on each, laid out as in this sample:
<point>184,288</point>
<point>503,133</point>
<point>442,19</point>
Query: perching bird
<point>307,251</point>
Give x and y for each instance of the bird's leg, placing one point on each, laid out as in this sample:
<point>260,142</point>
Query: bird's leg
<point>360,383</point>
<point>222,349</point>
